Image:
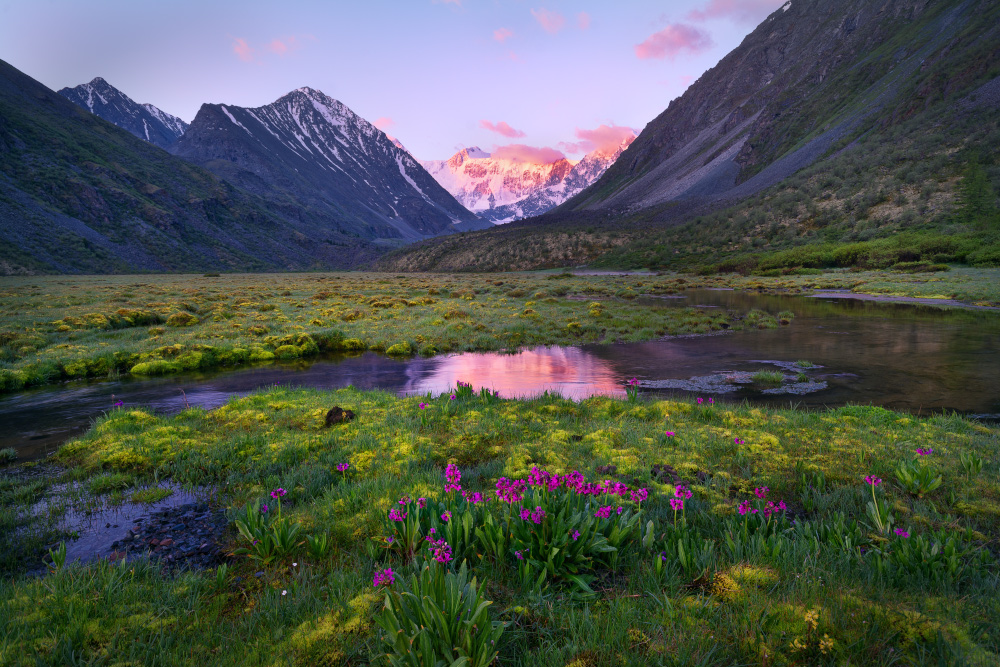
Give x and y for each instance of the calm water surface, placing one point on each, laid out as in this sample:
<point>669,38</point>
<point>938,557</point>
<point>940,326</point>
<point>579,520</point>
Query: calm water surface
<point>905,357</point>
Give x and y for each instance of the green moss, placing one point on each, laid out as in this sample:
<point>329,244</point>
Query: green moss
<point>353,345</point>
<point>156,367</point>
<point>400,350</point>
<point>260,354</point>
<point>182,319</point>
<point>288,352</point>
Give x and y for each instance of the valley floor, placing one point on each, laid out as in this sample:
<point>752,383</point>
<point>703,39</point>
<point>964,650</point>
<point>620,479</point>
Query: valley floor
<point>55,328</point>
<point>764,538</point>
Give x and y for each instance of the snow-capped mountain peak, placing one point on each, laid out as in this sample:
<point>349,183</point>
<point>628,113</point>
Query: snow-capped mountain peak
<point>502,189</point>
<point>314,147</point>
<point>143,120</point>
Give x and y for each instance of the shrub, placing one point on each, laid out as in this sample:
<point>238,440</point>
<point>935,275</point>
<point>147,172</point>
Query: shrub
<point>7,455</point>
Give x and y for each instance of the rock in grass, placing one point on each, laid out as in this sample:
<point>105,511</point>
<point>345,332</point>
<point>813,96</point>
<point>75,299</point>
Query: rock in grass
<point>338,415</point>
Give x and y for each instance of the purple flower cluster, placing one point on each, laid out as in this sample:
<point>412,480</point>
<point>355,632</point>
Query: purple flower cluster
<point>453,476</point>
<point>925,452</point>
<point>603,513</point>
<point>396,515</point>
<point>535,517</point>
<point>263,509</point>
<point>383,578</point>
<point>446,517</point>
<point>575,535</point>
<point>873,480</point>
<point>474,497</point>
<point>769,508</point>
<point>633,382</point>
<point>676,504</point>
<point>774,508</point>
<point>441,551</point>
<point>510,491</point>
<point>342,467</point>
<point>421,503</point>
<point>901,532</point>
<point>278,493</point>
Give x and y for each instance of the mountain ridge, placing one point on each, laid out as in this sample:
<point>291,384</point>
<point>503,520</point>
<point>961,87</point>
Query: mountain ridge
<point>80,194</point>
<point>143,120</point>
<point>502,189</point>
<point>309,148</point>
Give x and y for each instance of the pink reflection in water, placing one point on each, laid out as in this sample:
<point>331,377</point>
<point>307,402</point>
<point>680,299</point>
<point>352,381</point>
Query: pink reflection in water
<point>569,371</point>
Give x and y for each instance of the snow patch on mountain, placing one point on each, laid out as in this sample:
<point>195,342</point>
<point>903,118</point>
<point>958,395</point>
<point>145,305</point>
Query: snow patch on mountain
<point>143,120</point>
<point>502,190</point>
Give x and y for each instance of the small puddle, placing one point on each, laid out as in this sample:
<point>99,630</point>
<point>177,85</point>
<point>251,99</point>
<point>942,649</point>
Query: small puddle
<point>95,529</point>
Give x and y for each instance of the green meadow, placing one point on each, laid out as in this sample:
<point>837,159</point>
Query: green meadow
<point>56,328</point>
<point>659,533</point>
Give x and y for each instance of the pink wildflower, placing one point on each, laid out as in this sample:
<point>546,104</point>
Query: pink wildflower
<point>603,513</point>
<point>383,578</point>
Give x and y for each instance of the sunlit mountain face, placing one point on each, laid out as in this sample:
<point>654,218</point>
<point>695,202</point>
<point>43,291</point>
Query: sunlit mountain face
<point>511,184</point>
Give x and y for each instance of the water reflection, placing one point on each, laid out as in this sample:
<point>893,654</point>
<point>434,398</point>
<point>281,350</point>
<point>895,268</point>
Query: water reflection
<point>569,371</point>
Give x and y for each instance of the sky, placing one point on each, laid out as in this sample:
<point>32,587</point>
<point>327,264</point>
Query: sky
<point>529,79</point>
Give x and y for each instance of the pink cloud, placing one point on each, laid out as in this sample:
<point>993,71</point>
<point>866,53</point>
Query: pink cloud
<point>530,154</point>
<point>673,39</point>
<point>686,80</point>
<point>384,123</point>
<point>583,20</point>
<point>242,50</point>
<point>283,45</point>
<point>501,34</point>
<point>604,138</point>
<point>501,128</point>
<point>738,10</point>
<point>551,22</point>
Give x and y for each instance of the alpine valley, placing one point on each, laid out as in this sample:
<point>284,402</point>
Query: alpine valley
<point>839,133</point>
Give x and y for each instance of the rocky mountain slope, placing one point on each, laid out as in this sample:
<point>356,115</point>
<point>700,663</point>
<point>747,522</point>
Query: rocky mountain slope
<point>501,189</point>
<point>308,149</point>
<point>834,122</point>
<point>143,120</point>
<point>78,194</point>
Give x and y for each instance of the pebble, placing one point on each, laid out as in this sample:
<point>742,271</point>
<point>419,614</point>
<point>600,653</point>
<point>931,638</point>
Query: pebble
<point>182,537</point>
